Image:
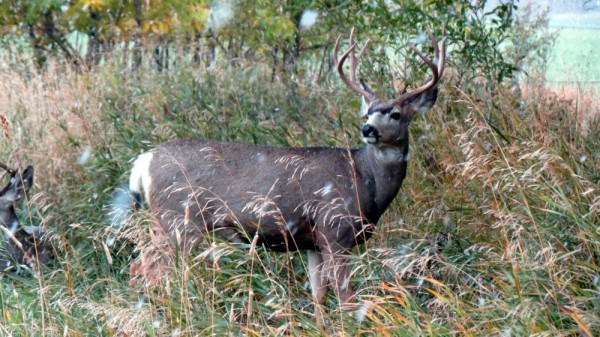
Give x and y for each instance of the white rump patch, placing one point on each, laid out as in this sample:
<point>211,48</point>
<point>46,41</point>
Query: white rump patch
<point>140,175</point>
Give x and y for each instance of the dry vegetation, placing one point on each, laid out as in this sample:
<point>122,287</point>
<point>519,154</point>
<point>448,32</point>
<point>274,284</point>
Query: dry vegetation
<point>495,231</point>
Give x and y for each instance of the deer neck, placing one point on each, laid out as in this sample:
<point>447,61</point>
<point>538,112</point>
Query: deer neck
<point>385,168</point>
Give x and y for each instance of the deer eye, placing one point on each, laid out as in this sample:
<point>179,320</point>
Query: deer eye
<point>395,116</point>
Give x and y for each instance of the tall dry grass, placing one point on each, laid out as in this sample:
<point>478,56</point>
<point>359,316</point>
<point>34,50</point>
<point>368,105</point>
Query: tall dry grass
<point>495,231</point>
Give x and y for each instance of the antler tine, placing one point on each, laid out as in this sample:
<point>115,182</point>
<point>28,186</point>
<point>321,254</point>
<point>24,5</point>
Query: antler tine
<point>437,69</point>
<point>350,82</point>
<point>442,56</point>
<point>353,58</point>
<point>7,169</point>
<point>436,49</point>
<point>425,59</point>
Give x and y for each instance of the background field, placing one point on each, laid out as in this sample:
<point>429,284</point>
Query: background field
<point>576,54</point>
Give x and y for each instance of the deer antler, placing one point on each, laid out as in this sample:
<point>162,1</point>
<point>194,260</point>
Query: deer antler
<point>12,174</point>
<point>351,82</point>
<point>437,66</point>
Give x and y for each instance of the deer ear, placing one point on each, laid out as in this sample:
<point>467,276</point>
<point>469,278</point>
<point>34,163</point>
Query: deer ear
<point>420,103</point>
<point>364,109</point>
<point>19,186</point>
<point>26,180</point>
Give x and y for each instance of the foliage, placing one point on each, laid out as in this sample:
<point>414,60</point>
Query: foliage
<point>495,231</point>
<point>476,32</point>
<point>266,30</point>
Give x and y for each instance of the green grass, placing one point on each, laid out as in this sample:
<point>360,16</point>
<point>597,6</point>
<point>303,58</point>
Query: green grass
<point>509,186</point>
<point>576,55</point>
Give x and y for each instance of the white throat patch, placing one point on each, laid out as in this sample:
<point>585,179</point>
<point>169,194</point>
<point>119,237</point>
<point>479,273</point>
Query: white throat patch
<point>390,154</point>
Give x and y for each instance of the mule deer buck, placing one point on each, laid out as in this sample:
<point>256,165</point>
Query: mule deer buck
<point>320,199</point>
<point>22,244</point>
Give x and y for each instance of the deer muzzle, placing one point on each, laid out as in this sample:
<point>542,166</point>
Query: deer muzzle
<point>369,133</point>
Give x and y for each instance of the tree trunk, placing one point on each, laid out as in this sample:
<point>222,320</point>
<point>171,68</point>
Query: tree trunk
<point>161,55</point>
<point>291,53</point>
<point>38,49</point>
<point>197,48</point>
<point>275,57</point>
<point>137,45</point>
<point>157,58</point>
<point>212,44</point>
<point>92,57</point>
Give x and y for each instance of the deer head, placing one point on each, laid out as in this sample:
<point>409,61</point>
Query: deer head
<point>20,245</point>
<point>387,119</point>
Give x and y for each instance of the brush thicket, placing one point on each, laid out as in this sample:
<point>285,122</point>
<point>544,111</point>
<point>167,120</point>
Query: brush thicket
<point>495,231</point>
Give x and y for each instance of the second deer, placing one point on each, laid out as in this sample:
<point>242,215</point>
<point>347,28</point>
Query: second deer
<point>22,245</point>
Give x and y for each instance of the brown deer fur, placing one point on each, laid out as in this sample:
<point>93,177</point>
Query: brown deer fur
<point>320,199</point>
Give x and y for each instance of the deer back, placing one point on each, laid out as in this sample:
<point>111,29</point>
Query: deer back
<point>285,195</point>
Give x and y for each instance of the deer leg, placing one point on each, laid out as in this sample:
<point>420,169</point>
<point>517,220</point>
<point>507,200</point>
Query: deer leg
<point>335,266</point>
<point>318,281</point>
<point>151,265</point>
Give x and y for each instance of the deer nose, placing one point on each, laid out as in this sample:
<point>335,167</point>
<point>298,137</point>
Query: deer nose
<point>368,131</point>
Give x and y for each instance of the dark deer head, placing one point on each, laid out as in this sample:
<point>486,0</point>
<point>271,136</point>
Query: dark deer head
<point>21,244</point>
